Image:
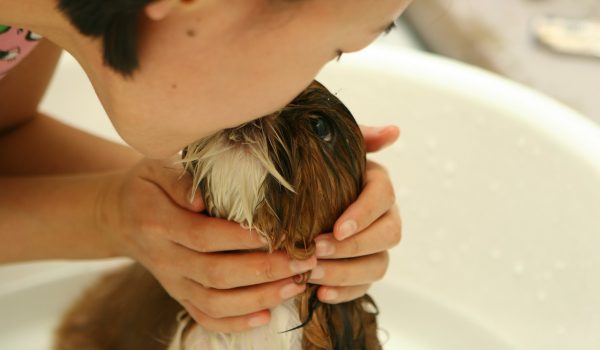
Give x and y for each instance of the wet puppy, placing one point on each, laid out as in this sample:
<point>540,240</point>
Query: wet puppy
<point>288,176</point>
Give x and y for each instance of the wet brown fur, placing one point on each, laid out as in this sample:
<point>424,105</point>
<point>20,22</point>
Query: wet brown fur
<point>130,310</point>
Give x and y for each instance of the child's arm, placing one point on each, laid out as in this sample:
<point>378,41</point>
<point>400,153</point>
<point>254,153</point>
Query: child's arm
<point>50,218</point>
<point>33,144</point>
<point>66,194</point>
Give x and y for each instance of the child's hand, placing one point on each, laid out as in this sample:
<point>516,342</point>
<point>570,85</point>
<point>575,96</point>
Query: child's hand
<point>147,214</point>
<point>355,254</point>
<point>379,138</point>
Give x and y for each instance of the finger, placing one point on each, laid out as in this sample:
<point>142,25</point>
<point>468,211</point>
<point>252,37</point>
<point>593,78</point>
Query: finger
<point>383,234</point>
<point>217,303</point>
<point>228,324</point>
<point>174,181</point>
<point>205,234</point>
<point>376,198</point>
<point>350,272</point>
<point>233,270</point>
<point>336,295</point>
<point>377,138</point>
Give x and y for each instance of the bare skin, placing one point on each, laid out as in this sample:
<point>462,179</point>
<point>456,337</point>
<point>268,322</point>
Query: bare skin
<point>67,194</point>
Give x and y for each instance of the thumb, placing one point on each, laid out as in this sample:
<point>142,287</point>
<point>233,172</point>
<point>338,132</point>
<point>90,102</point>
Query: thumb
<point>377,138</point>
<point>172,178</point>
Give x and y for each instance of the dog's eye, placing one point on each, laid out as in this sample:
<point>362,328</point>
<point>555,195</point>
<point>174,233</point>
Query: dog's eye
<point>322,129</point>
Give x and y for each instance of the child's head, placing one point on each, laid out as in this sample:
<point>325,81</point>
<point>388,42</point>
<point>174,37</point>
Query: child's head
<point>227,61</point>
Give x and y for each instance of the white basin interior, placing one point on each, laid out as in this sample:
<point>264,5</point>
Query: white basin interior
<point>499,189</point>
<point>500,193</point>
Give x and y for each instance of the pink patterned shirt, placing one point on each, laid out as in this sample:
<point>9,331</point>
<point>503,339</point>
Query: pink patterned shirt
<point>15,44</point>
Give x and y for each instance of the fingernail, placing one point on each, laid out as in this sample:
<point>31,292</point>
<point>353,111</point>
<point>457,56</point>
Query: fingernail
<point>291,290</point>
<point>348,228</point>
<point>258,321</point>
<point>317,273</point>
<point>300,266</point>
<point>331,294</point>
<point>301,278</point>
<point>380,129</point>
<point>324,248</point>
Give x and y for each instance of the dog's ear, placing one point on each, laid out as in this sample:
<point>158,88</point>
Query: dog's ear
<point>292,217</point>
<point>349,325</point>
<point>270,212</point>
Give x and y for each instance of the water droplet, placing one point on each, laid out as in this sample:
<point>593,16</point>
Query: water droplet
<point>560,265</point>
<point>447,184</point>
<point>518,268</point>
<point>369,307</point>
<point>547,275</point>
<point>521,142</point>
<point>494,187</point>
<point>435,256</point>
<point>424,214</point>
<point>432,162</point>
<point>383,335</point>
<point>403,192</point>
<point>542,295</point>
<point>496,253</point>
<point>480,120</point>
<point>441,233</point>
<point>431,143</point>
<point>450,167</point>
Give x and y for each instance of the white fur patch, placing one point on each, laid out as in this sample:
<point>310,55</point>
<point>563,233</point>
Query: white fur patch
<point>234,167</point>
<point>269,337</point>
<point>234,180</point>
<point>234,171</point>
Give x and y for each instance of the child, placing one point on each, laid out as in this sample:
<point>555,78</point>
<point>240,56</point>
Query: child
<point>168,72</point>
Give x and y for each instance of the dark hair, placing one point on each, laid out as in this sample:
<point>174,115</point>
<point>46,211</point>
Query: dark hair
<point>115,22</point>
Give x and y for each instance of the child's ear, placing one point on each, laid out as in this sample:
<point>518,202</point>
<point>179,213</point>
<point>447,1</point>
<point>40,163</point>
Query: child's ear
<point>159,9</point>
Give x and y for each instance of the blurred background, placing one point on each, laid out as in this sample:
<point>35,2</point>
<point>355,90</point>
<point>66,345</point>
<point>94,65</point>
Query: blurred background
<point>552,46</point>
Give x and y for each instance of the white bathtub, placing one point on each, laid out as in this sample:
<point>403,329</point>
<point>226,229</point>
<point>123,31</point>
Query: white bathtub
<point>500,194</point>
